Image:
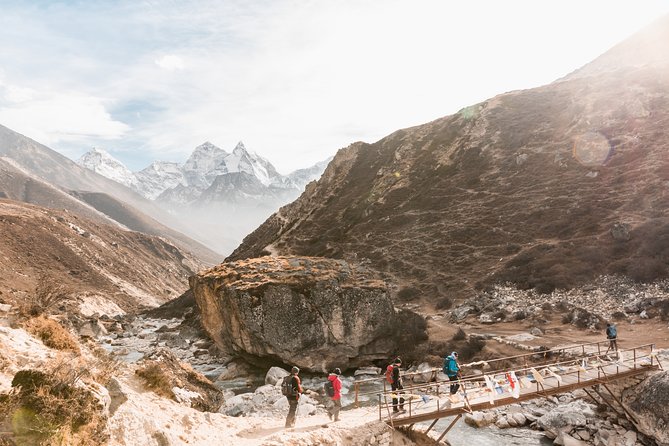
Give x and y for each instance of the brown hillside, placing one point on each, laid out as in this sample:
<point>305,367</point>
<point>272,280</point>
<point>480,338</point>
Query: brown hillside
<point>37,163</point>
<point>544,188</point>
<point>93,260</point>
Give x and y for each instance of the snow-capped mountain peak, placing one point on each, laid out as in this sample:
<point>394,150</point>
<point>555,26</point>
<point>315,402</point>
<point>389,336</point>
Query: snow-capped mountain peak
<point>241,160</point>
<point>239,149</point>
<point>100,161</point>
<point>158,177</point>
<point>204,164</point>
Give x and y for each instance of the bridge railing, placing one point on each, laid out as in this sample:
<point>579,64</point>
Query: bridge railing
<point>631,358</point>
<point>548,355</point>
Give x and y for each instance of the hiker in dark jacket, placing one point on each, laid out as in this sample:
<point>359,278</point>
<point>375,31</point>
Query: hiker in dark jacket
<point>452,369</point>
<point>335,407</point>
<point>612,335</point>
<point>397,386</point>
<point>293,399</point>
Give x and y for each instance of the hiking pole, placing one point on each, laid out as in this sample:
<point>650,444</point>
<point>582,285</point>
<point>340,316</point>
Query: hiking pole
<point>464,392</point>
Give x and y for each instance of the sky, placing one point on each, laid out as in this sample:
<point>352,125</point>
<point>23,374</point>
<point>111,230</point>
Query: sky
<point>294,80</point>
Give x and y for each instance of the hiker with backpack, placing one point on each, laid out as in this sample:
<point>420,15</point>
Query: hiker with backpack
<point>396,385</point>
<point>612,335</point>
<point>452,369</point>
<point>291,387</point>
<point>333,391</point>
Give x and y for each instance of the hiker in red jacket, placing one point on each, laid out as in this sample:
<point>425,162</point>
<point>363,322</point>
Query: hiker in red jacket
<point>397,386</point>
<point>335,407</point>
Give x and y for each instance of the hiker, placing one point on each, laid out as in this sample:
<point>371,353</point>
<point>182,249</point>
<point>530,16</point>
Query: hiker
<point>292,388</point>
<point>611,335</point>
<point>335,394</point>
<point>452,369</point>
<point>396,386</point>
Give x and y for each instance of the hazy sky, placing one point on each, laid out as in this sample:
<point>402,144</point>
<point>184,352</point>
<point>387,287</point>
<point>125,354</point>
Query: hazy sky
<point>295,80</point>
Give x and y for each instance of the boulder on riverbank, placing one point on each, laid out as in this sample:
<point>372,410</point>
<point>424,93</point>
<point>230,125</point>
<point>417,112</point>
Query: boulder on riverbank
<point>649,403</point>
<point>311,312</point>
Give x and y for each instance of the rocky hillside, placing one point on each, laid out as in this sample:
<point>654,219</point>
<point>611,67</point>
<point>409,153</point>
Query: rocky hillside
<point>35,166</point>
<point>99,265</point>
<point>544,188</point>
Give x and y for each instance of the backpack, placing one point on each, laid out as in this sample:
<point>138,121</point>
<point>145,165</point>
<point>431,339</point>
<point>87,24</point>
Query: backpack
<point>611,332</point>
<point>389,374</point>
<point>287,386</point>
<point>329,388</point>
<point>450,366</point>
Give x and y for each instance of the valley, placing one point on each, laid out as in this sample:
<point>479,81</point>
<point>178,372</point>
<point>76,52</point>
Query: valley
<point>515,228</point>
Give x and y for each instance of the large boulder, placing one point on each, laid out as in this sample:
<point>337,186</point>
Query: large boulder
<point>649,403</point>
<point>311,312</point>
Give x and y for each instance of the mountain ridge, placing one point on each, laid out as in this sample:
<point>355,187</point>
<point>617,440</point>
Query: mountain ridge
<point>531,187</point>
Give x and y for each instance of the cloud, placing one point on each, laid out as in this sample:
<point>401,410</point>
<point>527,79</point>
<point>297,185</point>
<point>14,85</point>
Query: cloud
<point>57,117</point>
<point>294,80</point>
<point>170,62</point>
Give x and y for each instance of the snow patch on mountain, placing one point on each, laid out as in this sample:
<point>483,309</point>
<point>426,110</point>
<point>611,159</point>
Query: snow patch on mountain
<point>301,177</point>
<point>158,177</point>
<point>101,162</point>
<point>204,165</point>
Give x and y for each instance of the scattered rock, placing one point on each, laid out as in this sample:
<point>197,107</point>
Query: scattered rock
<point>369,370</point>
<point>275,375</point>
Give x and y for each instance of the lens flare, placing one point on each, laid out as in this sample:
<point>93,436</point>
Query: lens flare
<point>592,149</point>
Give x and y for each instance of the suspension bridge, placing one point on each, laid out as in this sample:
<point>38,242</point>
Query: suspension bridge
<point>504,381</point>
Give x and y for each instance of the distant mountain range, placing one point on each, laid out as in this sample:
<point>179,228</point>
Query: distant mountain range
<point>229,193</point>
<point>33,173</point>
<point>200,171</point>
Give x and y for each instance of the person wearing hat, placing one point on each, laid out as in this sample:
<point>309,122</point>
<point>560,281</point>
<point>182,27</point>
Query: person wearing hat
<point>294,397</point>
<point>452,369</point>
<point>396,386</point>
<point>335,406</point>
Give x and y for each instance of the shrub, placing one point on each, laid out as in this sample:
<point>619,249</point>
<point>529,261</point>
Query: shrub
<point>51,333</point>
<point>105,365</point>
<point>471,348</point>
<point>409,293</point>
<point>664,309</point>
<point>163,371</point>
<point>519,315</point>
<point>48,407</point>
<point>544,288</point>
<point>444,303</point>
<point>619,315</point>
<point>499,315</point>
<point>562,306</point>
<point>156,378</point>
<point>48,293</point>
<point>459,335</point>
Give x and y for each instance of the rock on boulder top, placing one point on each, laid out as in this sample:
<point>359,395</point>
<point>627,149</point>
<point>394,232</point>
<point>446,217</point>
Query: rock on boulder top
<point>253,273</point>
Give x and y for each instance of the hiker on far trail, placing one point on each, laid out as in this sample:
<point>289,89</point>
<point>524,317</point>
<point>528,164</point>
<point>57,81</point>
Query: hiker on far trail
<point>396,386</point>
<point>452,369</point>
<point>611,335</point>
<point>292,388</point>
<point>333,390</point>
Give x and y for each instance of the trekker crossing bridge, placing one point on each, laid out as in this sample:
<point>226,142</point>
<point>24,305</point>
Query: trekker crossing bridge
<point>513,379</point>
